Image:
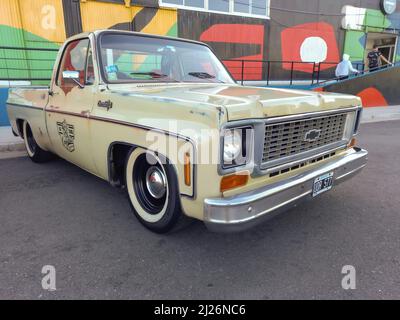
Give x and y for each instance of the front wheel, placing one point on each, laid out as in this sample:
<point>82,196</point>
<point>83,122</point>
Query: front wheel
<point>153,191</point>
<point>35,153</point>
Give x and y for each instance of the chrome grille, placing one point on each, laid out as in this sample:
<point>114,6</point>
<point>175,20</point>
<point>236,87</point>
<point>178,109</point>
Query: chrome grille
<point>287,139</point>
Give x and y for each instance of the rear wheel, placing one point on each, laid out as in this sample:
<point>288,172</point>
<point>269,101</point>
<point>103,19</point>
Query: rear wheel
<point>35,153</point>
<point>153,191</point>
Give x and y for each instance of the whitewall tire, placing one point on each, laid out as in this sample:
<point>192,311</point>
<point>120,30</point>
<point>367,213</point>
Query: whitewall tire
<point>153,191</point>
<point>35,153</point>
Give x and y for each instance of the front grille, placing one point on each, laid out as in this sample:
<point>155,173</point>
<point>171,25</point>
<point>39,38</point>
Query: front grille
<point>288,138</point>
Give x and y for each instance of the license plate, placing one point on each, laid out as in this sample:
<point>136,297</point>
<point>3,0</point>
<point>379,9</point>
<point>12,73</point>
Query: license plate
<point>323,183</point>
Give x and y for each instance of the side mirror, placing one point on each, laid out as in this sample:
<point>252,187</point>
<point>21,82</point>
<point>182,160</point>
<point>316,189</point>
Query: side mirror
<point>73,75</point>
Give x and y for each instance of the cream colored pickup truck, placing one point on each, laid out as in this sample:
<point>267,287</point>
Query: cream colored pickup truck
<point>162,118</point>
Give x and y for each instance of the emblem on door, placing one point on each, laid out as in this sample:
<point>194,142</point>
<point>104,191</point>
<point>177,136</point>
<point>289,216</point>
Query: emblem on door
<point>67,134</point>
<point>105,104</point>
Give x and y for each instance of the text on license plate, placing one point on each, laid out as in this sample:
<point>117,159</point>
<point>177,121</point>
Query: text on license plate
<point>323,183</point>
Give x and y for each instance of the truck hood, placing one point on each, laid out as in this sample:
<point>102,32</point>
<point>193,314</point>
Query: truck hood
<point>240,102</point>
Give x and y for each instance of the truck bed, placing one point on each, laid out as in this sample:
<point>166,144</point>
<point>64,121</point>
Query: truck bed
<point>28,103</point>
<point>30,96</point>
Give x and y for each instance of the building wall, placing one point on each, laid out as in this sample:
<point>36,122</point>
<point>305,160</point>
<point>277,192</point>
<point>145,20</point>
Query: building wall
<point>3,113</point>
<point>231,37</point>
<point>296,21</point>
<point>29,24</point>
<point>300,30</point>
<point>375,90</point>
<point>135,18</point>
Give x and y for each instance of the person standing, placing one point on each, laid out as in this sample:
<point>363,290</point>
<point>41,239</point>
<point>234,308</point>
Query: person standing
<point>344,68</point>
<point>375,57</point>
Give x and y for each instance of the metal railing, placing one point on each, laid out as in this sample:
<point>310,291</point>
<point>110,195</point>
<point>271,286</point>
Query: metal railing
<point>289,71</point>
<point>26,64</point>
<point>361,73</point>
<point>36,65</point>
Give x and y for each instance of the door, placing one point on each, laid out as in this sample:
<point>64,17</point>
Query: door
<point>388,53</point>
<point>70,104</point>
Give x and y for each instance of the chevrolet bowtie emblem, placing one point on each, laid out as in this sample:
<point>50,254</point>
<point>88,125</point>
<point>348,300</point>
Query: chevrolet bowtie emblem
<point>312,135</point>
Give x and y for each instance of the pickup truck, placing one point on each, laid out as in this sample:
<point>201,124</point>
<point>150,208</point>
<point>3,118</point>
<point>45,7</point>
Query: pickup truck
<point>163,119</point>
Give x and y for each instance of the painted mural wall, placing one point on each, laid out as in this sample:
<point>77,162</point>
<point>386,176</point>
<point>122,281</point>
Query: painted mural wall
<point>134,18</point>
<point>45,24</point>
<point>29,24</point>
<point>3,113</point>
<point>359,21</point>
<point>296,31</point>
<point>231,37</point>
<point>306,35</point>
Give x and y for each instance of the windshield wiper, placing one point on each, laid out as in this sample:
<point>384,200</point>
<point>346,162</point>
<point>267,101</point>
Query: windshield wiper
<point>151,74</point>
<point>205,76</point>
<point>154,75</point>
<point>201,75</point>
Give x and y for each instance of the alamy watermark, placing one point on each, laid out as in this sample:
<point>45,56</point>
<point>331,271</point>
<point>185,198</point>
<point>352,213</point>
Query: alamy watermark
<point>49,17</point>
<point>349,280</point>
<point>49,278</point>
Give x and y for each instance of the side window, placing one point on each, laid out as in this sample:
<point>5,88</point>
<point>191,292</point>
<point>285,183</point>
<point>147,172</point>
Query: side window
<point>74,59</point>
<point>90,69</point>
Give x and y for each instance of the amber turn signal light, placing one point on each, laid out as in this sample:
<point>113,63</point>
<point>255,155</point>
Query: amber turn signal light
<point>234,181</point>
<point>188,177</point>
<point>352,143</point>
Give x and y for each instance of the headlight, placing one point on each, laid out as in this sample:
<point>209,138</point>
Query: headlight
<point>350,126</point>
<point>232,145</point>
<point>237,148</point>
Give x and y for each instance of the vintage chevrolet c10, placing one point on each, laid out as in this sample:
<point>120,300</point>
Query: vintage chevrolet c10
<point>162,118</point>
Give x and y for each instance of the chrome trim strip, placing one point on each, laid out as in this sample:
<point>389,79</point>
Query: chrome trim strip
<point>133,125</point>
<point>23,106</point>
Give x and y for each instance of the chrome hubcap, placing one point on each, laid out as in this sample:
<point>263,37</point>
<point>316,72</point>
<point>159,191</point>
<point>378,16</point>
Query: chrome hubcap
<point>155,182</point>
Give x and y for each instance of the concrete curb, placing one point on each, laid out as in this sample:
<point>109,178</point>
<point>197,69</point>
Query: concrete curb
<point>12,147</point>
<point>8,142</point>
<point>12,154</point>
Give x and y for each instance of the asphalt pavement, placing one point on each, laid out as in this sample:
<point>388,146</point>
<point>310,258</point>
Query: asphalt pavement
<point>56,214</point>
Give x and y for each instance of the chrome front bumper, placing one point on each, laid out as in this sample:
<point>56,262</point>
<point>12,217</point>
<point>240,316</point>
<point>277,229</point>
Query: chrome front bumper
<point>243,211</point>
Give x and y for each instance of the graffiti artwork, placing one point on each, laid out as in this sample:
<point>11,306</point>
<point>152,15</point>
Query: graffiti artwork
<point>231,37</point>
<point>310,42</point>
<point>116,16</point>
<point>372,97</point>
<point>245,39</point>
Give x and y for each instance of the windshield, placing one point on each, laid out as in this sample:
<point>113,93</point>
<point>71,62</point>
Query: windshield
<point>132,58</point>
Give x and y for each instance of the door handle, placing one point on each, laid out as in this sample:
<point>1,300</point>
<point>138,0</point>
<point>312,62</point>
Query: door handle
<point>52,93</point>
